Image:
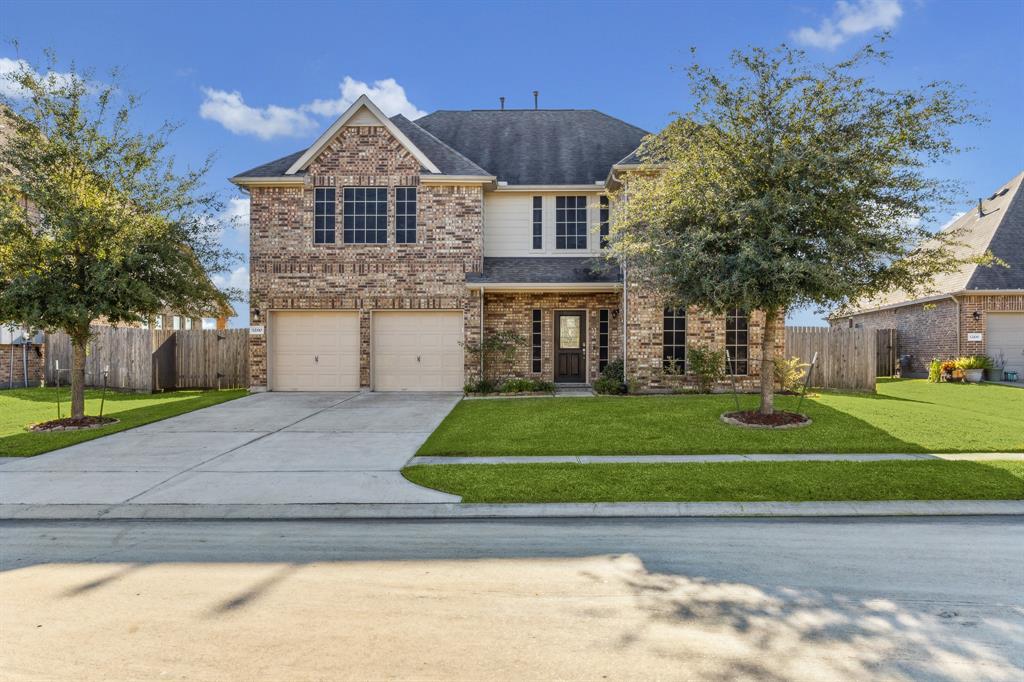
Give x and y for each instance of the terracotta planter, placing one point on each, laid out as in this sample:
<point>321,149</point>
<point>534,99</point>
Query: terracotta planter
<point>973,376</point>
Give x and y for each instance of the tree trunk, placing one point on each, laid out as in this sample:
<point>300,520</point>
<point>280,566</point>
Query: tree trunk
<point>78,376</point>
<point>771,318</point>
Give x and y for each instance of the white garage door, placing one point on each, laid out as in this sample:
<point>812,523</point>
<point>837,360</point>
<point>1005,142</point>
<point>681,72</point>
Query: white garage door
<point>314,351</point>
<point>1006,338</point>
<point>417,351</point>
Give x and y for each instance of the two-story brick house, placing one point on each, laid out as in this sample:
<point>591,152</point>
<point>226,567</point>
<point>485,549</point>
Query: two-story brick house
<point>383,248</point>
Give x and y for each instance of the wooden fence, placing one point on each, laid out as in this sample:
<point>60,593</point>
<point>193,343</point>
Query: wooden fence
<point>151,360</point>
<point>846,357</point>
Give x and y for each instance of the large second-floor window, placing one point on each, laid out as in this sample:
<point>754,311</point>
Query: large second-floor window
<point>538,224</point>
<point>366,215</point>
<point>571,222</point>
<point>324,215</point>
<point>405,215</point>
<point>737,340</point>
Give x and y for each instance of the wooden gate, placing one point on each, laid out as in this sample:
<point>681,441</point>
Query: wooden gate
<point>885,351</point>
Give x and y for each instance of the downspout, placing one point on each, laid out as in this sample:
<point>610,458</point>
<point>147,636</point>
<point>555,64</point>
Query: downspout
<point>625,316</point>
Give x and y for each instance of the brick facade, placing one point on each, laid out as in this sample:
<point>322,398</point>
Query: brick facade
<point>514,312</point>
<point>645,322</point>
<point>930,330</point>
<point>289,272</point>
<point>34,357</point>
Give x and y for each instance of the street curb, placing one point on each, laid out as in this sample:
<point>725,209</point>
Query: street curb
<point>445,510</point>
<point>438,460</point>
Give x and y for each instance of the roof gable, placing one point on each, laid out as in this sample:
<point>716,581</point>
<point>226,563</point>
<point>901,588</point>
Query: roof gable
<point>362,112</point>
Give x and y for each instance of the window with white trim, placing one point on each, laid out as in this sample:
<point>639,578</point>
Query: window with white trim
<point>158,322</point>
<point>538,224</point>
<point>366,215</point>
<point>536,340</point>
<point>324,215</point>
<point>405,215</point>
<point>188,323</point>
<point>176,322</point>
<point>673,343</point>
<point>571,222</point>
<point>605,222</point>
<point>737,341</point>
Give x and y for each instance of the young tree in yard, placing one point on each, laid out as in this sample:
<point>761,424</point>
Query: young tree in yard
<point>791,184</point>
<point>95,220</point>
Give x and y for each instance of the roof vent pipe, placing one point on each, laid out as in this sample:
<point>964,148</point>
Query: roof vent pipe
<point>535,95</point>
<point>981,211</point>
<point>502,100</point>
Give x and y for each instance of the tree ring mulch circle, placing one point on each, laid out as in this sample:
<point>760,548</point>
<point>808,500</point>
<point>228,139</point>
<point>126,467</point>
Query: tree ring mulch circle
<point>755,420</point>
<point>73,424</point>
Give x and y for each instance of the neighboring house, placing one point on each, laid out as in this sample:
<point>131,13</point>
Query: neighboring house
<point>978,309</point>
<point>383,248</point>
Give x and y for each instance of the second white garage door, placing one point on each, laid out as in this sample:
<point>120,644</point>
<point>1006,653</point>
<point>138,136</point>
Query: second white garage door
<point>417,351</point>
<point>1006,340</point>
<point>314,351</point>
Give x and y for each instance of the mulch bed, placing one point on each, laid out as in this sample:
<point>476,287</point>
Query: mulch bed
<point>756,420</point>
<point>73,424</point>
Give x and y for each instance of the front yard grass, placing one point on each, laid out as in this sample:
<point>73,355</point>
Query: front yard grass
<point>911,416</point>
<point>737,482</point>
<point>23,406</point>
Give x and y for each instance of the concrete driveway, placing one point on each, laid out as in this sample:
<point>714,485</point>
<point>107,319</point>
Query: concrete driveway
<point>268,448</point>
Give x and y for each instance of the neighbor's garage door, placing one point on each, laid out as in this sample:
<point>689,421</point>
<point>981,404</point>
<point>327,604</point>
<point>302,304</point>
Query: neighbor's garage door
<point>1006,336</point>
<point>417,351</point>
<point>314,351</point>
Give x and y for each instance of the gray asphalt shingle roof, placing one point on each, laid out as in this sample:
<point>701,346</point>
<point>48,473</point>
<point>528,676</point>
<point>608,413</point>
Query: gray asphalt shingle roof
<point>537,147</point>
<point>444,157</point>
<point>552,270</point>
<point>275,168</point>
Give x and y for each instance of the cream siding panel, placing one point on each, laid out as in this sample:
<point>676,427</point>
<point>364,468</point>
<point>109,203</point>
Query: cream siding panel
<point>418,351</point>
<point>363,117</point>
<point>508,224</point>
<point>314,351</point>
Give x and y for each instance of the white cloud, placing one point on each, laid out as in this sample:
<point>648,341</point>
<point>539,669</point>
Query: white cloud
<point>237,279</point>
<point>230,110</point>
<point>850,19</point>
<point>8,87</point>
<point>386,94</point>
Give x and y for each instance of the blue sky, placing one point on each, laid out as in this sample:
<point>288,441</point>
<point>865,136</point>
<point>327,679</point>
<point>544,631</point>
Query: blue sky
<point>255,81</point>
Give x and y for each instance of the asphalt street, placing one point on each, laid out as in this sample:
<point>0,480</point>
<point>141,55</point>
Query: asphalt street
<point>670,599</point>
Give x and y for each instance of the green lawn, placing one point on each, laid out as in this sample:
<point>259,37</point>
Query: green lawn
<point>904,416</point>
<point>23,406</point>
<point>739,481</point>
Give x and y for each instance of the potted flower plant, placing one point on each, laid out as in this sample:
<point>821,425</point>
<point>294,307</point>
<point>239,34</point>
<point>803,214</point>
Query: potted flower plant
<point>947,368</point>
<point>973,367</point>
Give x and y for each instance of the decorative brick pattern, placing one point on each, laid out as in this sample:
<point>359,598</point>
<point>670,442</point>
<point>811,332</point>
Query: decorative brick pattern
<point>514,312</point>
<point>289,272</point>
<point>34,357</point>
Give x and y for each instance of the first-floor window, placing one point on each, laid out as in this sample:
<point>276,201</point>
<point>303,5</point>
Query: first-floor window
<point>176,322</point>
<point>405,215</point>
<point>571,222</point>
<point>605,221</point>
<point>737,340</point>
<point>324,215</point>
<point>603,327</point>
<point>188,323</point>
<point>536,340</point>
<point>158,322</point>
<point>366,215</point>
<point>538,224</point>
<point>673,345</point>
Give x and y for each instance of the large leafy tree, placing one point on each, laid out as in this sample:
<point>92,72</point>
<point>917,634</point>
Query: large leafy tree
<point>95,219</point>
<point>791,184</point>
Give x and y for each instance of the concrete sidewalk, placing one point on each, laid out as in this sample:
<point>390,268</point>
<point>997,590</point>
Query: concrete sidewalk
<point>706,459</point>
<point>452,510</point>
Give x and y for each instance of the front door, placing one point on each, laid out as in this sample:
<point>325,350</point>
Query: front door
<point>570,356</point>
